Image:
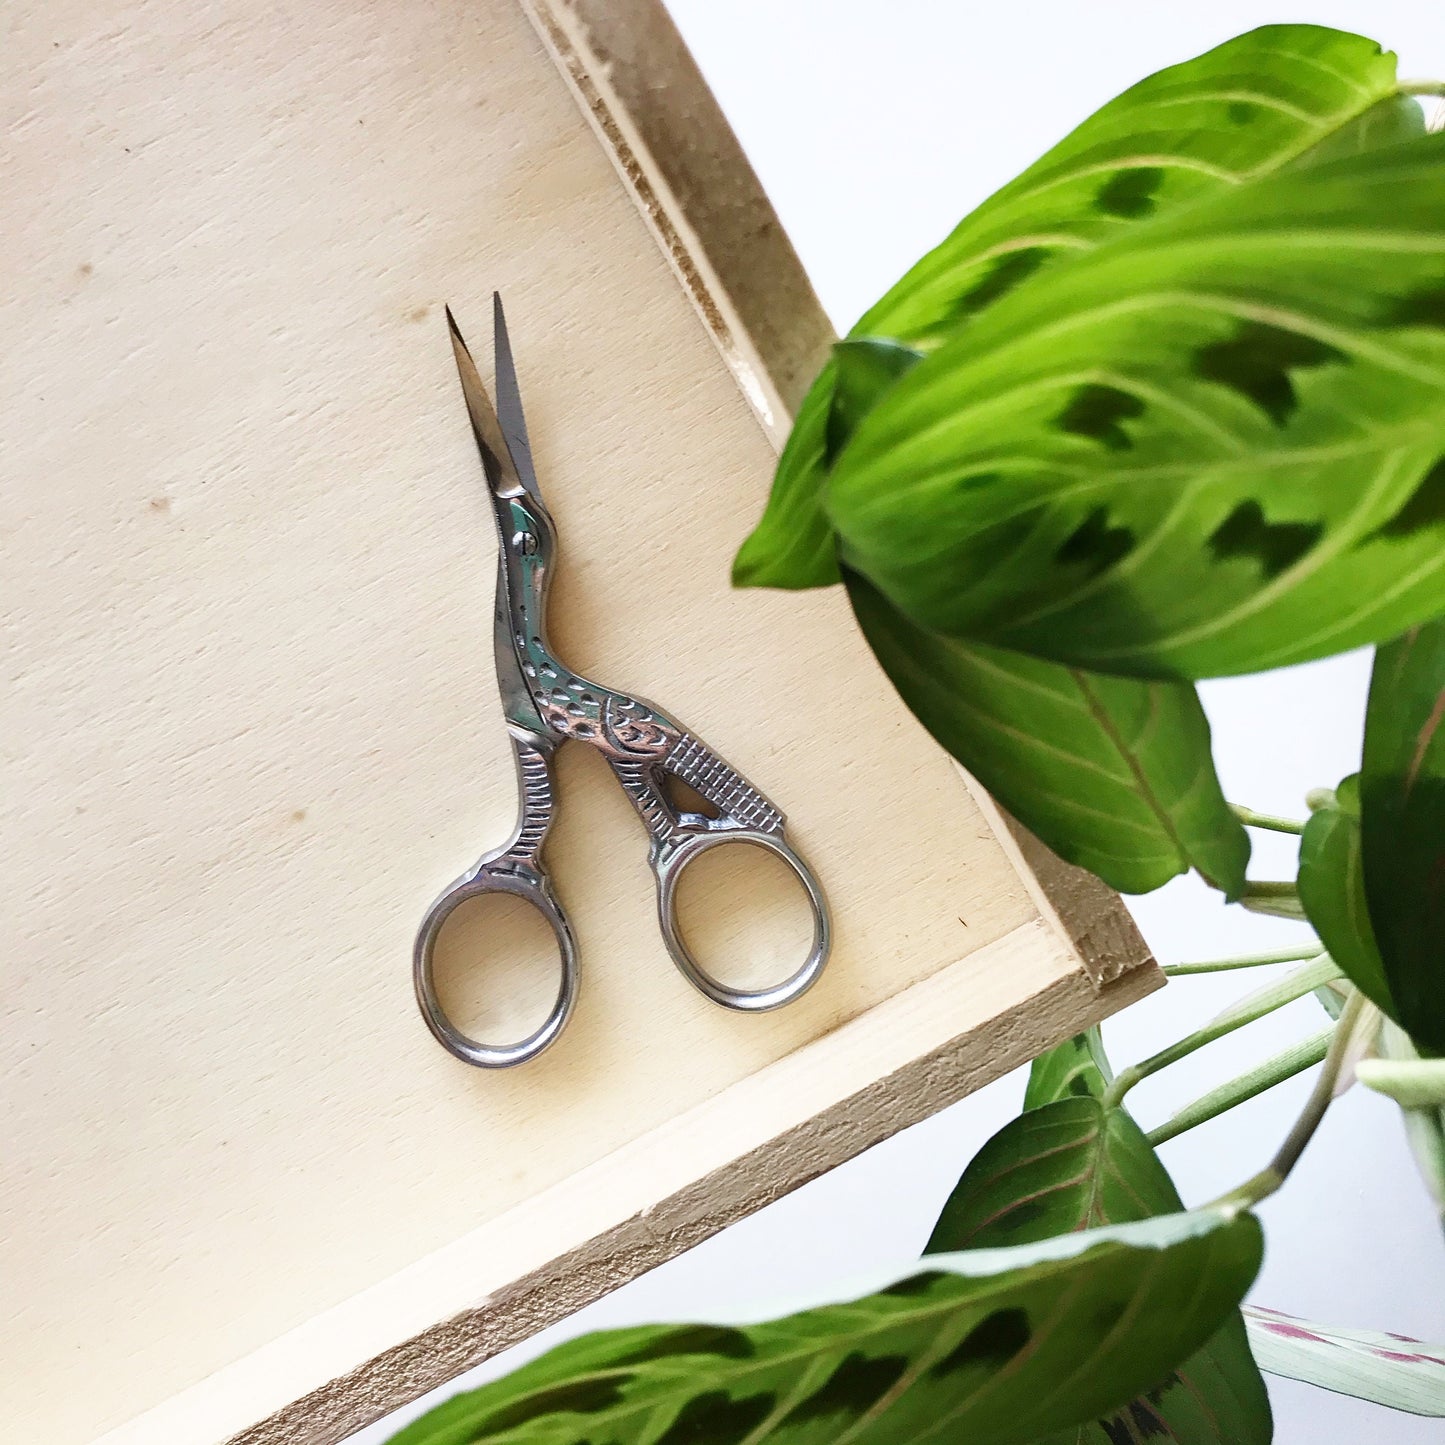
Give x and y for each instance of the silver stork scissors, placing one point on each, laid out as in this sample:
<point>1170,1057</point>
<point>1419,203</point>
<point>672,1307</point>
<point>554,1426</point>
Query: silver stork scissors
<point>546,704</point>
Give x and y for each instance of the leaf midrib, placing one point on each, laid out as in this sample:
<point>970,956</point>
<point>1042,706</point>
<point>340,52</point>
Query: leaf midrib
<point>838,1342</point>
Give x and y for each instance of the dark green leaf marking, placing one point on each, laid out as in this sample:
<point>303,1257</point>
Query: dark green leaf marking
<point>580,1397</point>
<point>692,1340</point>
<point>1424,509</point>
<point>1257,363</point>
<point>1098,411</point>
<point>914,1284</point>
<point>990,1344</point>
<point>1094,544</point>
<point>1130,193</point>
<point>1425,307</point>
<point>1137,1423</point>
<point>1004,273</point>
<point>1245,532</point>
<point>715,1418</point>
<point>853,1388</point>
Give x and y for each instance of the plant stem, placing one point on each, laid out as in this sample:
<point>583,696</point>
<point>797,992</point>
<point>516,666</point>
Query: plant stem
<point>1285,1065</point>
<point>1247,960</point>
<point>1357,1016</point>
<point>1272,821</point>
<point>1245,1011</point>
<point>1278,898</point>
<point>1422,87</point>
<point>1424,1128</point>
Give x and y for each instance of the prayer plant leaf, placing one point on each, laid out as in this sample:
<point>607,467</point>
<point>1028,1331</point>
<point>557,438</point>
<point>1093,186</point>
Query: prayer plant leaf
<point>796,548</point>
<point>1076,1068</point>
<point>1113,773</point>
<point>1071,1164</point>
<point>1215,445</point>
<point>793,545</point>
<point>1411,1083</point>
<point>1391,1370</point>
<point>1332,890</point>
<point>996,1347</point>
<point>1402,806</point>
<point>1249,106</point>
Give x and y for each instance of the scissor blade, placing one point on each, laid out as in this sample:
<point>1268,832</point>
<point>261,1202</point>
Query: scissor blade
<point>509,400</point>
<point>497,460</point>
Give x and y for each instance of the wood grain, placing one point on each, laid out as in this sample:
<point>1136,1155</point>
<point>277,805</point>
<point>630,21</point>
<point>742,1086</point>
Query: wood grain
<point>251,724</point>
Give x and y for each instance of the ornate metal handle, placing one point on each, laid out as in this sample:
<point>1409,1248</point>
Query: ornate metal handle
<point>494,877</point>
<point>513,869</point>
<point>668,863</point>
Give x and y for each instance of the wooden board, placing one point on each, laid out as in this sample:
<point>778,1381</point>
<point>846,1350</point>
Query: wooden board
<point>251,725</point>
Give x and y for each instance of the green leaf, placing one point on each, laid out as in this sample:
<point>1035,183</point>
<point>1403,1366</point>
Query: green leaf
<point>1391,1370</point>
<point>1332,890</point>
<point>996,1347</point>
<point>1213,446</point>
<point>1073,1164</point>
<point>796,548</point>
<point>1411,1083</point>
<point>1332,997</point>
<point>1114,774</point>
<point>1425,1126</point>
<point>1402,805</point>
<point>1251,105</point>
<point>1076,1068</point>
<point>864,370</point>
<point>793,545</point>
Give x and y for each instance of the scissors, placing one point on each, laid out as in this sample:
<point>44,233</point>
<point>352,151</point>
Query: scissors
<point>546,704</point>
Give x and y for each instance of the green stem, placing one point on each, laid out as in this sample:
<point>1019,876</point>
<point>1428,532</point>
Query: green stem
<point>1422,87</point>
<point>1280,899</point>
<point>1356,1015</point>
<point>1245,1011</point>
<point>1424,1128</point>
<point>1272,821</point>
<point>1285,1065</point>
<point>1247,960</point>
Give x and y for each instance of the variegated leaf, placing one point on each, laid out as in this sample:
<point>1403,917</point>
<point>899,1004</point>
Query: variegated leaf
<point>1392,1370</point>
<point>1072,1163</point>
<point>996,1347</point>
<point>1114,774</point>
<point>1252,105</point>
<point>1215,445</point>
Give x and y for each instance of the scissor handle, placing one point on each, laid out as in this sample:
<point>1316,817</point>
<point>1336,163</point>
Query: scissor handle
<point>668,864</point>
<point>495,875</point>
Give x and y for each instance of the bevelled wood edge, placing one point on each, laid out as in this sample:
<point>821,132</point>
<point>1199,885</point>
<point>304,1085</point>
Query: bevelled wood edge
<point>634,77</point>
<point>897,1098</point>
<point>1086,910</point>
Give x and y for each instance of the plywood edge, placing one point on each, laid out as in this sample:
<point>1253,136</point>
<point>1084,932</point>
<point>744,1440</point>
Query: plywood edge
<point>632,74</point>
<point>1082,907</point>
<point>635,79</point>
<point>923,1049</point>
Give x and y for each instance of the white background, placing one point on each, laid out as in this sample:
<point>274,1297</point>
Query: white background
<point>874,127</point>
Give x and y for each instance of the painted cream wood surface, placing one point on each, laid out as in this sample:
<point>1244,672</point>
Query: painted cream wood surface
<point>250,723</point>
